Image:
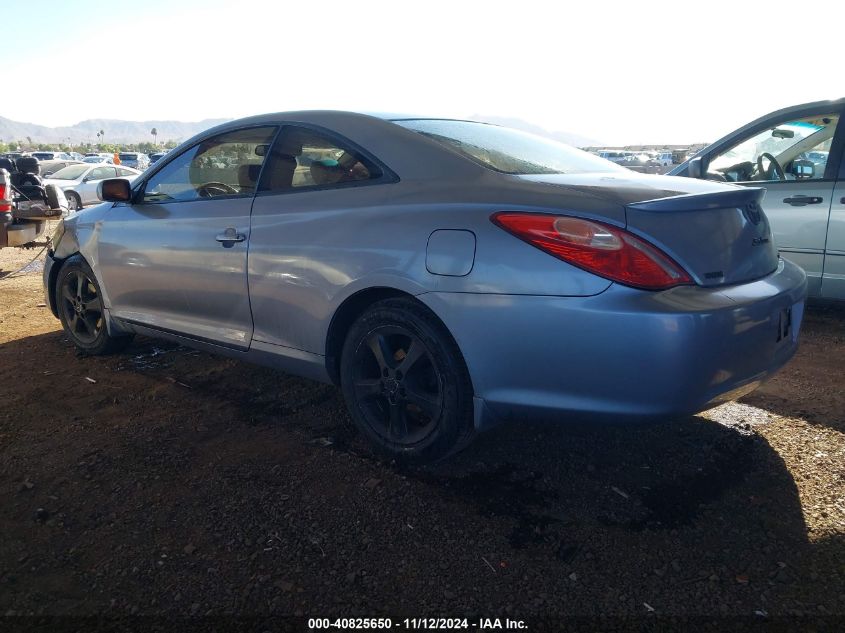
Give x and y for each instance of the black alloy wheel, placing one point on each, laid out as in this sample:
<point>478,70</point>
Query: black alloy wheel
<point>81,311</point>
<point>397,385</point>
<point>82,307</point>
<point>405,382</point>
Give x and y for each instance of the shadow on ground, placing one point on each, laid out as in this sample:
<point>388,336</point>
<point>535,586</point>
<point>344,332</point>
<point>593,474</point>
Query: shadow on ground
<point>169,481</point>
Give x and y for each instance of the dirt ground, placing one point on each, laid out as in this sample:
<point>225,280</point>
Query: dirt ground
<point>165,481</point>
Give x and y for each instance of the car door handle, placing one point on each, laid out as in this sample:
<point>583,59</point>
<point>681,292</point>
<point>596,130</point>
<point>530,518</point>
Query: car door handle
<point>228,237</point>
<point>802,201</point>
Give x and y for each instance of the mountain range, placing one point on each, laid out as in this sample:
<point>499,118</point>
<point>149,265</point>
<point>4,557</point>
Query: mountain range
<point>117,131</point>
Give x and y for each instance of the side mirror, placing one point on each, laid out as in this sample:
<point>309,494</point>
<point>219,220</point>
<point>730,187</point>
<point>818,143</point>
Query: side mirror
<point>696,167</point>
<point>114,190</point>
<point>803,169</point>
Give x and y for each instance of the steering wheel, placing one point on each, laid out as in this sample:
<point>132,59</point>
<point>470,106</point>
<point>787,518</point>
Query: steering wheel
<point>211,189</point>
<point>774,165</point>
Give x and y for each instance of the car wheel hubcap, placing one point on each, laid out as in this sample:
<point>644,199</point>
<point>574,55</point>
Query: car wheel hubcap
<point>82,307</point>
<point>397,385</point>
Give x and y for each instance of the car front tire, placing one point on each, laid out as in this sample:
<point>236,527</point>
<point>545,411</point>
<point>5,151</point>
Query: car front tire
<point>406,384</point>
<point>74,203</point>
<point>81,311</point>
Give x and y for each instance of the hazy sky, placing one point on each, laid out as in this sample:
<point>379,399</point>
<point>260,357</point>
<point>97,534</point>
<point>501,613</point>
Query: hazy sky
<point>620,72</point>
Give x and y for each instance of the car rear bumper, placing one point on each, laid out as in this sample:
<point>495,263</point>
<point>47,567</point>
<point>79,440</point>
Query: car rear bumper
<point>625,353</point>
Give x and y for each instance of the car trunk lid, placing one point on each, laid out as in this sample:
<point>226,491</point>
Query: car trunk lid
<point>718,233</point>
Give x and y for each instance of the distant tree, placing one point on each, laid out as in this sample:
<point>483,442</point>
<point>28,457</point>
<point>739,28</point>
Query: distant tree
<point>154,132</point>
<point>28,140</point>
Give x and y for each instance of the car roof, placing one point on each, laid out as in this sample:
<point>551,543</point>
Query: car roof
<point>402,150</point>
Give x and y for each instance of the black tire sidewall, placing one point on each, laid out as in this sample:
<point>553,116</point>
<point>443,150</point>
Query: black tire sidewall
<point>104,343</point>
<point>456,418</point>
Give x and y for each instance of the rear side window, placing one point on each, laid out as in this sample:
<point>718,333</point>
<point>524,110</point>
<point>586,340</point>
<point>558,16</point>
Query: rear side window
<point>304,158</point>
<point>509,151</point>
<point>101,173</point>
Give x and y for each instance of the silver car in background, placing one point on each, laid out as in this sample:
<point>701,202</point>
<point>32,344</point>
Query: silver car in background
<point>80,181</point>
<point>447,275</point>
<point>135,160</point>
<point>796,154</point>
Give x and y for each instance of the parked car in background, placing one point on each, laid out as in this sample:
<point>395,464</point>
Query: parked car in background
<point>136,160</point>
<point>613,155</point>
<point>157,156</point>
<point>52,166</point>
<point>98,158</point>
<point>664,158</point>
<point>446,274</point>
<point>44,155</point>
<point>796,154</point>
<point>79,182</point>
<point>76,155</point>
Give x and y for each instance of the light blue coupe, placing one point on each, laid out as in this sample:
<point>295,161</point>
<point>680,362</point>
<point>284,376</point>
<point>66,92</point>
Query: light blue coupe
<point>445,274</point>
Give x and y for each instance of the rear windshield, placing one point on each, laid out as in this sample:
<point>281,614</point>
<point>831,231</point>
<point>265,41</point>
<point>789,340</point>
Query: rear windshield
<point>507,150</point>
<point>128,156</point>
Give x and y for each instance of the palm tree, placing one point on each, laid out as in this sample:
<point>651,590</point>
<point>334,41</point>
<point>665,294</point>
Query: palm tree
<point>154,132</point>
<point>28,140</point>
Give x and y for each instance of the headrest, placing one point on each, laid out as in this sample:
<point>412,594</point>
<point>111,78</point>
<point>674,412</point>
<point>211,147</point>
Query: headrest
<point>326,172</point>
<point>248,175</point>
<point>28,165</point>
<point>288,145</point>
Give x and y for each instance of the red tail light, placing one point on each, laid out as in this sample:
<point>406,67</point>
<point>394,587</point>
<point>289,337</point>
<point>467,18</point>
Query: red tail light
<point>605,250</point>
<point>5,199</point>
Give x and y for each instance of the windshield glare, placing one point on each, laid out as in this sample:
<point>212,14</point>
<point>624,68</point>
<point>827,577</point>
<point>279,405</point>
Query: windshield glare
<point>71,172</point>
<point>507,150</point>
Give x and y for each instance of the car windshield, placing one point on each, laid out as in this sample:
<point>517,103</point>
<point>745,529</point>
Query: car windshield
<point>71,172</point>
<point>93,159</point>
<point>507,150</point>
<point>128,156</point>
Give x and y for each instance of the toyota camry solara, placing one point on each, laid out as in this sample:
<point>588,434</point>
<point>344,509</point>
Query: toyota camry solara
<point>445,274</point>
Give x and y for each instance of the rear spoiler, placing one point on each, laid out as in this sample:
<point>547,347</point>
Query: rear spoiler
<point>735,198</point>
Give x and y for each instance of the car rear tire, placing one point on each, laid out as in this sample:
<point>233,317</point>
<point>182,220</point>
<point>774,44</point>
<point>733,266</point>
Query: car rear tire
<point>74,203</point>
<point>80,307</point>
<point>406,384</point>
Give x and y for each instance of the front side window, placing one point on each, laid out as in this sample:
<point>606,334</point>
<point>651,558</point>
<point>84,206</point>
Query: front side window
<point>223,165</point>
<point>509,151</point>
<point>304,158</point>
<point>793,150</point>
